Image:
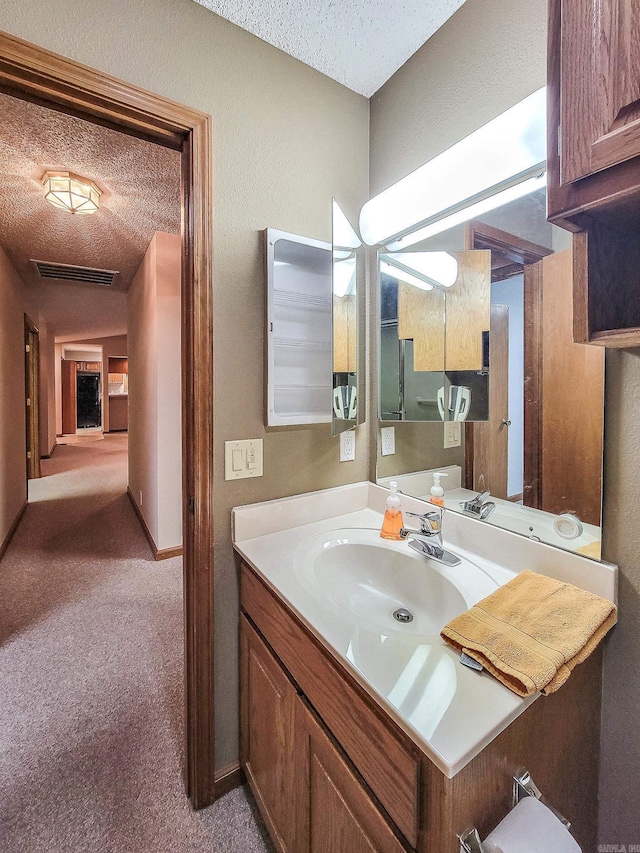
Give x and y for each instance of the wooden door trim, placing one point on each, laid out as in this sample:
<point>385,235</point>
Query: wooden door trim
<point>32,73</point>
<point>532,479</point>
<point>479,235</point>
<point>32,388</point>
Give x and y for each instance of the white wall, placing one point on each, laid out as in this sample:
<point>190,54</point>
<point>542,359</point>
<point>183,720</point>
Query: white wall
<point>511,293</point>
<point>155,448</point>
<point>13,472</point>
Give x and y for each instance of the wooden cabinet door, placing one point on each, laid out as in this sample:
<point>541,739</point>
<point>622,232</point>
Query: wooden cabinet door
<point>268,702</point>
<point>600,85</point>
<point>335,812</point>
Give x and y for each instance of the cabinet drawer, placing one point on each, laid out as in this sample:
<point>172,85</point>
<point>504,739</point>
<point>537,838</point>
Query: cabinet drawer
<point>389,765</point>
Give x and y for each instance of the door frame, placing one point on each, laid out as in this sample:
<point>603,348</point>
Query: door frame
<point>31,398</point>
<point>519,256</point>
<point>32,73</point>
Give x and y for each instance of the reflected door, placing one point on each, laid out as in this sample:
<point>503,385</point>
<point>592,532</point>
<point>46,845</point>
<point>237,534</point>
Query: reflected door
<point>572,402</point>
<point>491,439</point>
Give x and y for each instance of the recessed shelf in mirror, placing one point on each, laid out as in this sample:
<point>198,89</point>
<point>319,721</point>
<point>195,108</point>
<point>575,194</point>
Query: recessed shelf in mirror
<point>298,329</point>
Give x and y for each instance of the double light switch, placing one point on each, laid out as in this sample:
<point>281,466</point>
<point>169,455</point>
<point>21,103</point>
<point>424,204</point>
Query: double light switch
<point>243,459</point>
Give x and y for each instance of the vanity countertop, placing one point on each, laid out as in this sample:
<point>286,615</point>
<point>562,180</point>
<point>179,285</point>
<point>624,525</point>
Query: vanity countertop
<point>450,711</point>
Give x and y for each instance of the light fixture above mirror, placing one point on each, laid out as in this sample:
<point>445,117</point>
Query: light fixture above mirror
<point>499,162</point>
<point>71,192</point>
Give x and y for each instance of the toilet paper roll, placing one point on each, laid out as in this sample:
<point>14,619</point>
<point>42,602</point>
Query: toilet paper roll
<point>531,828</point>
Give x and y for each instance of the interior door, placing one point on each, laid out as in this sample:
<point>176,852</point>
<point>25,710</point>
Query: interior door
<point>32,385</point>
<point>69,418</point>
<point>572,399</point>
<point>491,438</point>
<point>88,412</point>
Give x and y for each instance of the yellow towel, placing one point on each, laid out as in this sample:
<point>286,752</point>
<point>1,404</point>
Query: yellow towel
<point>592,550</point>
<point>531,632</point>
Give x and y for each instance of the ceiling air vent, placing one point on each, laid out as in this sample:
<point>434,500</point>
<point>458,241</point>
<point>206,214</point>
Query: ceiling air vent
<point>67,272</point>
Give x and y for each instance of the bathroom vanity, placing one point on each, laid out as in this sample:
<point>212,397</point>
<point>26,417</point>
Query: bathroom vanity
<point>359,733</point>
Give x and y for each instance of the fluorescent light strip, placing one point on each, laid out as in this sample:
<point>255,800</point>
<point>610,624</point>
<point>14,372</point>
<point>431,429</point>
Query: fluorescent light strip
<point>467,213</point>
<point>510,145</point>
<point>402,275</point>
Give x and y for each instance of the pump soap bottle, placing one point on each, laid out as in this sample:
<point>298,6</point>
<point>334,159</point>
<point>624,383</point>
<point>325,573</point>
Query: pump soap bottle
<point>393,522</point>
<point>436,491</point>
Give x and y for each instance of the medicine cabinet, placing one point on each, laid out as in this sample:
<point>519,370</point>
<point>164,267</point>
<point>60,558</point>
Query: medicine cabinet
<point>299,332</point>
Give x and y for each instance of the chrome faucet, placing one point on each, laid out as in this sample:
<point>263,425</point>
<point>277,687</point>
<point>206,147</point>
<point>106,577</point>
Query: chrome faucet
<point>479,506</point>
<point>428,540</point>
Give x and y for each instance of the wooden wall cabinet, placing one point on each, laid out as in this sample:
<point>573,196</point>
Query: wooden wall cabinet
<point>331,771</point>
<point>593,160</point>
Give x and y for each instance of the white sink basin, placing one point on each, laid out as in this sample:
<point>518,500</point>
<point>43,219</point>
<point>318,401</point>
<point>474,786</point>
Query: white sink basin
<point>367,579</point>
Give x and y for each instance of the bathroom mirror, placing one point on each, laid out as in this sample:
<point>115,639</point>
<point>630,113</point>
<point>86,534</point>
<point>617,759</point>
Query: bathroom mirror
<point>434,335</point>
<point>539,455</point>
<point>346,269</point>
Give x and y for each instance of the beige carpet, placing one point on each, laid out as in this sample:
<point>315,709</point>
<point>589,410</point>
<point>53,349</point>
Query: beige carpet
<point>91,678</point>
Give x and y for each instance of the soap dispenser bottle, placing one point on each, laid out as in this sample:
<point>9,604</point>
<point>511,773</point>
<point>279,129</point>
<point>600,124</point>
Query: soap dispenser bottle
<point>436,491</point>
<point>393,522</point>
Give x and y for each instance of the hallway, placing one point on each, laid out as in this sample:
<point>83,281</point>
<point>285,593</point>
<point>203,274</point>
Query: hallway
<point>91,677</point>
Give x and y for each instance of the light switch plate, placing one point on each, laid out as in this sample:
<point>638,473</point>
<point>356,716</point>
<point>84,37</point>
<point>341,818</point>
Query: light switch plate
<point>348,446</point>
<point>452,434</point>
<point>243,459</point>
<point>388,441</point>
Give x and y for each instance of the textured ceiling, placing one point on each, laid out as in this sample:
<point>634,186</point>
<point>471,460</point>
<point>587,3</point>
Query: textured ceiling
<point>359,43</point>
<point>141,195</point>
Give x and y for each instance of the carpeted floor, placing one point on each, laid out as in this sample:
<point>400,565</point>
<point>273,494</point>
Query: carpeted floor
<point>91,678</point>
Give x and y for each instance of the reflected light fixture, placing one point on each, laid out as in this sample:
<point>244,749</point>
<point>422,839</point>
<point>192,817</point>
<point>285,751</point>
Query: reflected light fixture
<point>344,276</point>
<point>402,275</point>
<point>503,160</point>
<point>438,269</point>
<point>71,192</point>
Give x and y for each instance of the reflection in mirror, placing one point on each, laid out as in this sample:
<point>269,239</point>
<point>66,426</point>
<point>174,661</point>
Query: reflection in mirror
<point>345,270</point>
<point>434,335</point>
<point>539,455</point>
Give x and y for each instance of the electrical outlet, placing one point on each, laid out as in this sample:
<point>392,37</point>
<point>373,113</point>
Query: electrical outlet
<point>140,501</point>
<point>452,434</point>
<point>388,441</point>
<point>347,446</point>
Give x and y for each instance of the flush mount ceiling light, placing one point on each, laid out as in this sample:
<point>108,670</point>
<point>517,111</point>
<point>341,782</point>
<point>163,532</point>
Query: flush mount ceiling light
<point>71,192</point>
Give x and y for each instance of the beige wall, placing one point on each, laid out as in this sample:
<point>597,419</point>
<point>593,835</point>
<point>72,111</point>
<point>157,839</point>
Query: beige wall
<point>13,475</point>
<point>418,446</point>
<point>488,56</point>
<point>285,139</point>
